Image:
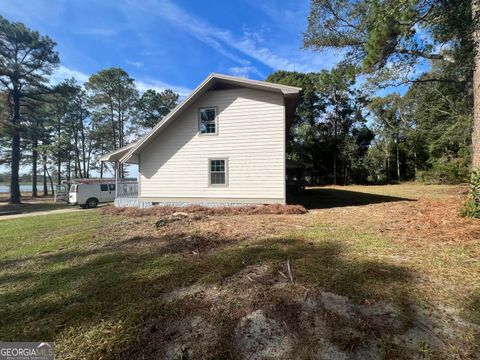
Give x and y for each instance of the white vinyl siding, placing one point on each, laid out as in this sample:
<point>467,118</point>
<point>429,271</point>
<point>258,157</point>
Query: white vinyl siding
<point>250,134</point>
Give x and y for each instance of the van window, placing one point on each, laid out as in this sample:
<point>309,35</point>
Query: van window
<point>73,188</point>
<point>111,187</point>
<point>104,187</point>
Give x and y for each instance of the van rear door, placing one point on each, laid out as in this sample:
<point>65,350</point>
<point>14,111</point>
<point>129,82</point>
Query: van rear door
<point>72,195</point>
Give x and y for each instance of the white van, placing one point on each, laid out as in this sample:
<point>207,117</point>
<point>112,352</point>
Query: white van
<point>90,195</point>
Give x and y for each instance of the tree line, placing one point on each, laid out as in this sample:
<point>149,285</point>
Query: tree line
<point>431,132</point>
<point>60,130</point>
<point>342,126</point>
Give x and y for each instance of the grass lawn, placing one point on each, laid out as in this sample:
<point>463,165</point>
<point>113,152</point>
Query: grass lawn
<point>29,205</point>
<point>378,272</point>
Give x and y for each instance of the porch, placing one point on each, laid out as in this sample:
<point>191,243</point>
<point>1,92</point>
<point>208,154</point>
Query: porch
<point>126,191</point>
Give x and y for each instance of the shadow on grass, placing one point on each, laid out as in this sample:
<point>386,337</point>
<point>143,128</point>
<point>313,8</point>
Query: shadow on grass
<point>113,294</point>
<point>26,208</point>
<point>325,198</point>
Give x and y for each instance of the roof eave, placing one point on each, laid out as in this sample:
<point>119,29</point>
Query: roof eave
<point>117,154</point>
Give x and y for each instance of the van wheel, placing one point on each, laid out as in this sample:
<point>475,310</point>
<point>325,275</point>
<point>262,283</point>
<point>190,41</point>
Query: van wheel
<point>91,203</point>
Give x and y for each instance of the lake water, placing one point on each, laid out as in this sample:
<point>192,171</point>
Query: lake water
<point>5,188</point>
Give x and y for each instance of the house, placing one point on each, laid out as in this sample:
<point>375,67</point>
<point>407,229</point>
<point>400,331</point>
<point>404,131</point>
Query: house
<point>223,144</point>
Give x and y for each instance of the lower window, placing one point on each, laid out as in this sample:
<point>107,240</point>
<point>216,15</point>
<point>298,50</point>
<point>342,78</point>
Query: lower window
<point>218,172</point>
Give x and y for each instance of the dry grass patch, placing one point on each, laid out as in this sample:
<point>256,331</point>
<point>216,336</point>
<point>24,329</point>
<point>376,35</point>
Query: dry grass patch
<point>423,221</point>
<point>208,283</point>
<point>273,209</point>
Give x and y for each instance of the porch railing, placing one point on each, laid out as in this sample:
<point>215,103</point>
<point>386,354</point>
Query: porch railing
<point>127,189</point>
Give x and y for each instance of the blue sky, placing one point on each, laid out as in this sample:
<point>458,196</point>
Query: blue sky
<point>173,43</point>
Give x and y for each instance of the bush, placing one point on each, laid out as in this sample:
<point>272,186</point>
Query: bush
<point>472,205</point>
<point>444,173</point>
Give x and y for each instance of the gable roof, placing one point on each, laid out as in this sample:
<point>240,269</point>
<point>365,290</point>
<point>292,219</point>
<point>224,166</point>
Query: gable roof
<point>213,80</point>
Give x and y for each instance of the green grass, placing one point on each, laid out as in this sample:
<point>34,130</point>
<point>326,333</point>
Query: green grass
<point>83,280</point>
<point>30,206</point>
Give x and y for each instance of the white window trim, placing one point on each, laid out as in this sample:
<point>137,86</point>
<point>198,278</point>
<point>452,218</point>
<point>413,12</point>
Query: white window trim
<point>200,121</point>
<point>210,172</point>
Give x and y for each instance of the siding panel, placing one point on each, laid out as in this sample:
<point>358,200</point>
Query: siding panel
<point>251,135</point>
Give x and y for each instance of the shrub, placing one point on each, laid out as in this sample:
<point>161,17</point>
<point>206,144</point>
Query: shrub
<point>452,172</point>
<point>472,205</point>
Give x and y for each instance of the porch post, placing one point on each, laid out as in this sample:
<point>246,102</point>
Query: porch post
<point>116,179</point>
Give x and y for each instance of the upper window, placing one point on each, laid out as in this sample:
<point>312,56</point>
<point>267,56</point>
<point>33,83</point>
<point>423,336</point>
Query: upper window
<point>208,121</point>
<point>218,172</point>
<point>104,187</point>
<point>111,187</point>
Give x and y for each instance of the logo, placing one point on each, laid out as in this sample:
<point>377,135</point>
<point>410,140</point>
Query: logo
<point>27,350</point>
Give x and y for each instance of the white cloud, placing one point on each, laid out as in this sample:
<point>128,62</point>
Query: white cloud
<point>238,49</point>
<point>196,27</point>
<point>63,72</point>
<point>159,86</point>
<point>242,71</point>
<point>137,64</point>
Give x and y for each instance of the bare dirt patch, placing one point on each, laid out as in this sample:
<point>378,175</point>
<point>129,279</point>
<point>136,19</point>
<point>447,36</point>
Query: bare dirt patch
<point>259,337</point>
<point>248,318</point>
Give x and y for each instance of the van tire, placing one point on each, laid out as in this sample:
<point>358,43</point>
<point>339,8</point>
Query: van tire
<point>91,203</point>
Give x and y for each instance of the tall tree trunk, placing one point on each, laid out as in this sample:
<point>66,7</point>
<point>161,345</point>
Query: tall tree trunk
<point>15,165</point>
<point>87,172</point>
<point>335,168</point>
<point>89,152</point>
<point>476,87</point>
<point>59,170</point>
<point>45,187</point>
<point>59,154</point>
<point>386,162</point>
<point>120,135</point>
<point>112,118</point>
<point>69,163</point>
<point>335,132</point>
<point>415,166</point>
<point>78,166</point>
<point>34,168</point>
<point>82,136</point>
<point>101,164</point>
<point>397,149</point>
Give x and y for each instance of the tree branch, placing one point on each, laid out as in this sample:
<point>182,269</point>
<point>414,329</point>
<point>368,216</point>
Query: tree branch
<point>424,55</point>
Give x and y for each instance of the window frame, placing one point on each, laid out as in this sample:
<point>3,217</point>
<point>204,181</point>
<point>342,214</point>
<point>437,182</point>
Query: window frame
<point>225,159</point>
<point>215,108</point>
